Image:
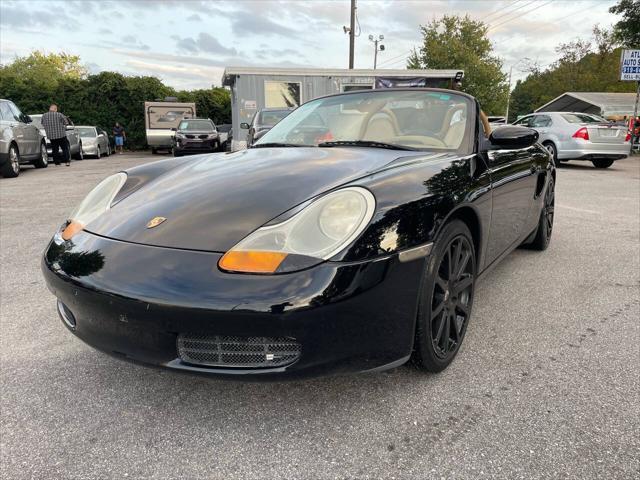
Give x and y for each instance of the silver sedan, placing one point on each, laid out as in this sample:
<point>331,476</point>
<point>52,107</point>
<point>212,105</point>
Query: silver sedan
<point>579,136</point>
<point>95,141</point>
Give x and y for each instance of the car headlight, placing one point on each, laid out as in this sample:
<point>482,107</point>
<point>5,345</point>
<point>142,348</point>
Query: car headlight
<point>316,233</point>
<point>180,135</point>
<point>95,204</point>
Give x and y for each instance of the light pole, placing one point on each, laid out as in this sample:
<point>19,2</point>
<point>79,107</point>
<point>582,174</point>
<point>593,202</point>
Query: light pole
<point>378,48</point>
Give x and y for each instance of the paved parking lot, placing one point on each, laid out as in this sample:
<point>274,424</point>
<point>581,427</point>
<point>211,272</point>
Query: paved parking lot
<point>546,384</point>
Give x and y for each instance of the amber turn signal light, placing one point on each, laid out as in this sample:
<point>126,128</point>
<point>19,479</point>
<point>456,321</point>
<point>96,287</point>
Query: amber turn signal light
<point>251,262</point>
<point>71,229</point>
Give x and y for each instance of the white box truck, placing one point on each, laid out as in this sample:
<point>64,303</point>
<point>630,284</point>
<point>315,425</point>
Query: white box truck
<point>160,118</point>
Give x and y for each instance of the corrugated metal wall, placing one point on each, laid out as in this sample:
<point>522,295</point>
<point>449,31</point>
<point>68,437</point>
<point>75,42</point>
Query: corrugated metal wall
<point>248,95</point>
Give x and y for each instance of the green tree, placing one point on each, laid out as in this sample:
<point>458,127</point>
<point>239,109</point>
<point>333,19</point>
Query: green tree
<point>35,81</point>
<point>627,30</point>
<point>454,42</point>
<point>581,67</point>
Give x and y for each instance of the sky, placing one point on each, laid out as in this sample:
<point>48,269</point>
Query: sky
<point>187,43</point>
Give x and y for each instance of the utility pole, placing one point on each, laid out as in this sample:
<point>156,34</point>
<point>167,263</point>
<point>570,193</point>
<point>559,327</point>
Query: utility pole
<point>381,49</point>
<point>352,33</point>
<point>506,115</point>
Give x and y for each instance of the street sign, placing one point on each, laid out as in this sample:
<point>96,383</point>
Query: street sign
<point>630,65</point>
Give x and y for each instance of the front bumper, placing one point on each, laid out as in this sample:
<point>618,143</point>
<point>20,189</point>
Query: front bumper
<point>133,301</point>
<point>194,145</point>
<point>90,148</point>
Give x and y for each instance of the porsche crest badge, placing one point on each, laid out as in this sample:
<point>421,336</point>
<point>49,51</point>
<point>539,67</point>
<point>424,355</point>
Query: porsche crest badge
<point>155,221</point>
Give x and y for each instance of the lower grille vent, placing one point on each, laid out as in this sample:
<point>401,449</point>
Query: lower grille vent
<point>237,352</point>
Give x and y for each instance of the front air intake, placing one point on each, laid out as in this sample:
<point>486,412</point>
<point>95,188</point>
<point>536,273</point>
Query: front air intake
<point>237,352</point>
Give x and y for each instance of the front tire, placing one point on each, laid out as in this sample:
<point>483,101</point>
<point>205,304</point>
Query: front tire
<point>602,162</point>
<point>545,224</point>
<point>80,154</point>
<point>98,154</point>
<point>43,160</point>
<point>447,299</point>
<point>11,168</point>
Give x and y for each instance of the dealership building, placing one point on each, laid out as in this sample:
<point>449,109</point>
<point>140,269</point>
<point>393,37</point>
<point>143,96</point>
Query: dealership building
<point>253,89</point>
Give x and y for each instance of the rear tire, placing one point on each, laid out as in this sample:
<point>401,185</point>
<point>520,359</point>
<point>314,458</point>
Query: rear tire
<point>553,151</point>
<point>446,299</point>
<point>11,168</point>
<point>98,155</point>
<point>43,160</point>
<point>175,152</point>
<point>602,162</point>
<point>545,223</point>
<point>80,154</point>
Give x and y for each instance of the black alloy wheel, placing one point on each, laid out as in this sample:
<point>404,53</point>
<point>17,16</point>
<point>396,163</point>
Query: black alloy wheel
<point>448,298</point>
<point>547,214</point>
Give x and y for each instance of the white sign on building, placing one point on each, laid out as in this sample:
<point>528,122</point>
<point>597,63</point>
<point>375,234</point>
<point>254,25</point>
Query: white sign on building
<point>630,65</point>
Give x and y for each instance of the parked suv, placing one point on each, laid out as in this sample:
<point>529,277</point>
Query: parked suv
<point>20,141</point>
<point>73,136</point>
<point>195,135</point>
<point>579,136</point>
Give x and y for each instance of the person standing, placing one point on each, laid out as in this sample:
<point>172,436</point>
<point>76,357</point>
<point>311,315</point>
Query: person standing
<point>120,136</point>
<point>55,126</point>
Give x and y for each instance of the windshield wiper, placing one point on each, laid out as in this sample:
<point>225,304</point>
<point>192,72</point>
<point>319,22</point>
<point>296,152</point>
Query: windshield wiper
<point>365,143</point>
<point>277,144</point>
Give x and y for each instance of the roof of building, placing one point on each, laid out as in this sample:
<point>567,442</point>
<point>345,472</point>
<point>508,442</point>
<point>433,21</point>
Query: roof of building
<point>609,103</point>
<point>230,72</point>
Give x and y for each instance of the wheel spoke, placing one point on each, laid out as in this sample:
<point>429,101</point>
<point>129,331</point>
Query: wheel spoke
<point>446,331</point>
<point>449,269</point>
<point>463,263</point>
<point>443,319</point>
<point>456,262</point>
<point>454,324</point>
<point>436,311</point>
<point>463,284</point>
<point>463,308</point>
<point>441,282</point>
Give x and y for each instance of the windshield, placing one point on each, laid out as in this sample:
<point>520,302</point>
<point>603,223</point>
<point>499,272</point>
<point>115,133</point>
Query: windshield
<point>418,119</point>
<point>87,132</point>
<point>270,117</point>
<point>196,125</point>
<point>582,118</point>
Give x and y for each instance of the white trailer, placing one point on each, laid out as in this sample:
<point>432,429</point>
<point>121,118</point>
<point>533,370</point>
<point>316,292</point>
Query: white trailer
<point>160,118</point>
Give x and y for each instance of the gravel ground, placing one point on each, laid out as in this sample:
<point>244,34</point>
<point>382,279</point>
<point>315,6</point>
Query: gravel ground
<point>546,384</point>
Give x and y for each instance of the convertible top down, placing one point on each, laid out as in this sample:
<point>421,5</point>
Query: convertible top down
<point>350,237</point>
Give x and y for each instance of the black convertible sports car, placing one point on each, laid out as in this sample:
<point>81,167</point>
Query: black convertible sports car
<point>349,238</point>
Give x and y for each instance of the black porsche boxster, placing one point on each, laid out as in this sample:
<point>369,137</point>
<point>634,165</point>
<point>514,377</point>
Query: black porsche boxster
<point>349,238</point>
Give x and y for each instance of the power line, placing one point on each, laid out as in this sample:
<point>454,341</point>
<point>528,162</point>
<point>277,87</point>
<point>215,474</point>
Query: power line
<point>518,16</point>
<point>498,10</point>
<point>512,11</point>
<point>397,56</point>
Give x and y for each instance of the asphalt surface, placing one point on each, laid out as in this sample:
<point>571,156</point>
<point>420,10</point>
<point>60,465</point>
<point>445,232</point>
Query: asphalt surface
<point>546,384</point>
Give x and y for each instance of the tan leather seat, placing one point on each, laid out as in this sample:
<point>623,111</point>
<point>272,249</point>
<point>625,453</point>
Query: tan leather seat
<point>382,127</point>
<point>453,137</point>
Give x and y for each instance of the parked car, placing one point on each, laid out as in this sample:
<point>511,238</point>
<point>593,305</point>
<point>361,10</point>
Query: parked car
<point>302,256</point>
<point>73,136</point>
<point>579,136</point>
<point>20,141</point>
<point>195,135</point>
<point>95,141</point>
<point>263,121</point>
<point>225,135</point>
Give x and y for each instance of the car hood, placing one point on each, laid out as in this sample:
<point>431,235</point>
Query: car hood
<point>213,201</point>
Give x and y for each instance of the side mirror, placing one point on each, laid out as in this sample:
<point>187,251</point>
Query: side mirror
<point>27,119</point>
<point>512,137</point>
<point>244,126</point>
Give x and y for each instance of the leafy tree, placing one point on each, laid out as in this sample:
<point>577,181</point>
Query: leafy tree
<point>35,81</point>
<point>627,30</point>
<point>582,67</point>
<point>458,42</point>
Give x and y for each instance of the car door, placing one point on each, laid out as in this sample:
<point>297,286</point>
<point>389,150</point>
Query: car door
<point>27,136</point>
<point>543,125</point>
<point>513,184</point>
<point>72,136</point>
